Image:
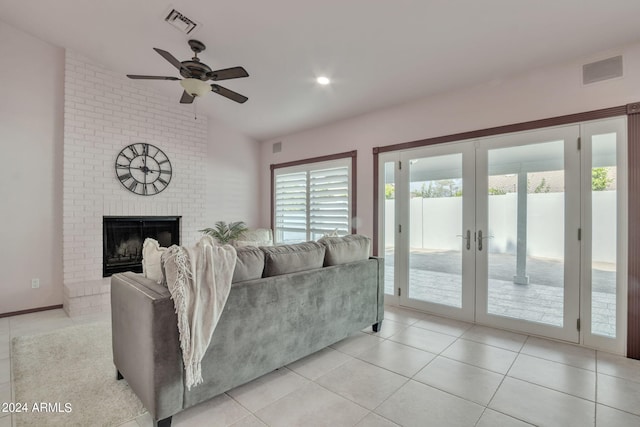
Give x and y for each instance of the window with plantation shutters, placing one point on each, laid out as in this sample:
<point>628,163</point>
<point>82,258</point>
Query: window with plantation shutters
<point>311,200</point>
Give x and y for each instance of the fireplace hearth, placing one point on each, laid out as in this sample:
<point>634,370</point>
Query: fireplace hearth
<point>123,238</point>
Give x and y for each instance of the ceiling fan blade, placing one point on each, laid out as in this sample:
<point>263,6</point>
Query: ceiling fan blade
<point>228,73</point>
<point>186,98</point>
<point>135,76</point>
<point>172,59</point>
<point>234,96</point>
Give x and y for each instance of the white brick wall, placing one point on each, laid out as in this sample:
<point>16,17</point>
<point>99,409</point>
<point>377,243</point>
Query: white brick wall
<point>104,112</point>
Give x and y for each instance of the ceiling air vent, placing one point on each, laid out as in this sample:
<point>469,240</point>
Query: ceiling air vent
<point>181,22</point>
<point>606,69</point>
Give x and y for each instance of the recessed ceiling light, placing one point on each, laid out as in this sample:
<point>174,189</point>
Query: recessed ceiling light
<point>323,80</point>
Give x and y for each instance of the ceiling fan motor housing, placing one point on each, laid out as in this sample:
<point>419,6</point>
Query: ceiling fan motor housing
<point>195,69</point>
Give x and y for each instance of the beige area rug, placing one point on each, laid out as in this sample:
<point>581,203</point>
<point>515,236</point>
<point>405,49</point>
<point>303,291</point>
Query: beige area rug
<point>71,371</point>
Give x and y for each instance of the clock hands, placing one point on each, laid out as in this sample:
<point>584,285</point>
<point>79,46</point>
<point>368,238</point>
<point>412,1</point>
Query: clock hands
<point>146,170</point>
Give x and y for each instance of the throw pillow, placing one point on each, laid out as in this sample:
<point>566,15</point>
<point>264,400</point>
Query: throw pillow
<point>249,265</point>
<point>342,250</point>
<point>292,258</point>
<point>151,260</point>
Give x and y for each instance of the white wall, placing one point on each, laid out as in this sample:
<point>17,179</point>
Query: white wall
<point>31,110</point>
<point>542,93</point>
<point>233,173</point>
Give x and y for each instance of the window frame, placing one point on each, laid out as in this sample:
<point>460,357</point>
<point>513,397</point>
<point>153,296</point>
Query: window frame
<point>304,165</point>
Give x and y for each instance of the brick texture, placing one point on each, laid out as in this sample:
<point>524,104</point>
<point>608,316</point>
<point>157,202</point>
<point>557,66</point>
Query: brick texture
<point>104,112</point>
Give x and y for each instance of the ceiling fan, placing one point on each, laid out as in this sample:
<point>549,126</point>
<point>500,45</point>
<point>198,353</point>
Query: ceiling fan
<point>196,74</point>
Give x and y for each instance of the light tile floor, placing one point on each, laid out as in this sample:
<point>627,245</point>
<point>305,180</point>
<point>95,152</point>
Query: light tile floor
<point>420,370</point>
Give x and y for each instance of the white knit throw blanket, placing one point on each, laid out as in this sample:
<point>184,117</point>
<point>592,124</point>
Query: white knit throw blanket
<point>199,280</point>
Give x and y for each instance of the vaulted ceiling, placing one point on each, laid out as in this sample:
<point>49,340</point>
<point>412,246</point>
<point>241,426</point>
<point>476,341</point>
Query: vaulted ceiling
<point>377,53</point>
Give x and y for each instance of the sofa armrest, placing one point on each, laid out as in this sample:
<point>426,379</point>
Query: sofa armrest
<point>146,345</point>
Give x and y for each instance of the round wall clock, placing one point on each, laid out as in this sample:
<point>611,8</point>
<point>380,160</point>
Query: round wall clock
<point>143,169</point>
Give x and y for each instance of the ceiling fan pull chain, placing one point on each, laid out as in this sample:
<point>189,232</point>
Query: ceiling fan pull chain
<point>195,108</point>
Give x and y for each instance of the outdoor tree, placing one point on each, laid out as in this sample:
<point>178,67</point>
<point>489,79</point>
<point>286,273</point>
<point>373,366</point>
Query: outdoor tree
<point>599,179</point>
<point>389,191</point>
<point>439,188</point>
<point>543,187</point>
<point>493,191</point>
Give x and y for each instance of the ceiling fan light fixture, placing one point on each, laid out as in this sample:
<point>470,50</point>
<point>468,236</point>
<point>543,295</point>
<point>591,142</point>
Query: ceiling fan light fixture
<point>195,87</point>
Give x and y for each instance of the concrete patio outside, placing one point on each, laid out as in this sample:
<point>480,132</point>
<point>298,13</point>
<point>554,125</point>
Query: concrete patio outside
<point>435,277</point>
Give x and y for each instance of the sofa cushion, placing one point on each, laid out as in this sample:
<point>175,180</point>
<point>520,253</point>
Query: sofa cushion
<point>342,250</point>
<point>249,265</point>
<point>292,258</point>
<point>151,264</point>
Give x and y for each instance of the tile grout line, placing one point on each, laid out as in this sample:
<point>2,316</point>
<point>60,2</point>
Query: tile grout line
<point>355,357</point>
<point>504,376</point>
<point>472,365</point>
<point>321,386</point>
<point>278,399</point>
<point>440,354</point>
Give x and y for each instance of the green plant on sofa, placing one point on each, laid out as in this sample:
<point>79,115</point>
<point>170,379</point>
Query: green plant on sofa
<point>226,233</point>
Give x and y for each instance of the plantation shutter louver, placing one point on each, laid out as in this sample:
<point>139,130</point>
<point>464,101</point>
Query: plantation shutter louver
<point>291,206</point>
<point>312,200</point>
<point>329,201</point>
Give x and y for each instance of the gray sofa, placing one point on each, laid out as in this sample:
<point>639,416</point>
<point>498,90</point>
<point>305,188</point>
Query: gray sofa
<point>268,322</point>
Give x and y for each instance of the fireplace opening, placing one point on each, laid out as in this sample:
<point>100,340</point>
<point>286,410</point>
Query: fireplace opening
<point>123,238</point>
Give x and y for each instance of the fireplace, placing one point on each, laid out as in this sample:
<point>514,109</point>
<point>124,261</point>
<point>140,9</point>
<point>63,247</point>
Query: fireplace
<point>123,238</point>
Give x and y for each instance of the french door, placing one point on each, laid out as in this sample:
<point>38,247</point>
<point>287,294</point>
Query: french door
<point>521,231</point>
<point>430,196</point>
<point>528,225</point>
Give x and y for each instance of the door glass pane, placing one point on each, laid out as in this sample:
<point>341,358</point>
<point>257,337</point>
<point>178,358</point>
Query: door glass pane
<point>388,244</point>
<point>603,235</point>
<point>435,227</point>
<point>525,239</point>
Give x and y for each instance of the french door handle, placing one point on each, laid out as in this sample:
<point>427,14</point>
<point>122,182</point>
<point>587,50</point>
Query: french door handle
<point>480,239</point>
<point>467,238</point>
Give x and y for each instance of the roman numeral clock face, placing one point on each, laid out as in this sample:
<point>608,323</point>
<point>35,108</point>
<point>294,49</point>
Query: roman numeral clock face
<point>143,169</point>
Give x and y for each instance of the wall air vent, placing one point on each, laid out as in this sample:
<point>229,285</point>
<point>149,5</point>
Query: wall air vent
<point>606,69</point>
<point>181,22</point>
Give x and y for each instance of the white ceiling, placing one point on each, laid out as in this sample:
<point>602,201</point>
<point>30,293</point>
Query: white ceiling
<point>377,52</point>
